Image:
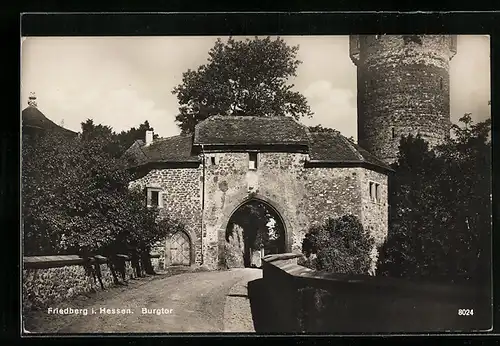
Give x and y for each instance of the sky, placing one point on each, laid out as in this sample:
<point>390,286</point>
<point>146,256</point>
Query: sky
<point>123,81</point>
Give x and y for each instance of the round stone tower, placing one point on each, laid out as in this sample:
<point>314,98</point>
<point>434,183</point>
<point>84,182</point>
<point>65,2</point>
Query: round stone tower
<point>403,88</point>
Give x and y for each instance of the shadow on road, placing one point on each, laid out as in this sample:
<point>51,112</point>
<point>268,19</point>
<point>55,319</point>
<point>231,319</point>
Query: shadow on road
<point>264,318</point>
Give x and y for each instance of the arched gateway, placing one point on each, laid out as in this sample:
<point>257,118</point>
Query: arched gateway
<point>302,178</point>
<point>255,228</point>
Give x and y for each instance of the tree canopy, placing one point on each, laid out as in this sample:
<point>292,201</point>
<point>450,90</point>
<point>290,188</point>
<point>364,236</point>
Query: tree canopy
<point>241,77</point>
<point>76,197</point>
<point>321,128</point>
<point>440,207</point>
<point>127,138</point>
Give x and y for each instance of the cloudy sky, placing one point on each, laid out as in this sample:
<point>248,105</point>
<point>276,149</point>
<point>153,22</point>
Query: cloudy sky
<point>122,81</point>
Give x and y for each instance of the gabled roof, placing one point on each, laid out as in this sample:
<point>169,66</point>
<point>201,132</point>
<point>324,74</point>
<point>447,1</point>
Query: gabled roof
<point>249,130</point>
<point>134,155</point>
<point>32,118</point>
<point>335,148</point>
<point>169,150</point>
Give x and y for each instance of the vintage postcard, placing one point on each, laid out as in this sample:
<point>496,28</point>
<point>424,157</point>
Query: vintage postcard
<point>249,184</point>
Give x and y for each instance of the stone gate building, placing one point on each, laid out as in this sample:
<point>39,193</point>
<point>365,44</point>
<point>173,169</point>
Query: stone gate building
<point>202,179</point>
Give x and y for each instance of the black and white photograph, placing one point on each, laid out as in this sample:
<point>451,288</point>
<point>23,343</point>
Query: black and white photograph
<point>256,184</point>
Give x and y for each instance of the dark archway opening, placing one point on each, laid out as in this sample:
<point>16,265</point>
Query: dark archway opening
<point>254,230</point>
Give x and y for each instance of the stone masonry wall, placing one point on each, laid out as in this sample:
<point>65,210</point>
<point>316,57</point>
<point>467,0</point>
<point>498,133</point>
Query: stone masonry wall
<point>328,192</point>
<point>44,287</point>
<point>374,212</point>
<point>403,88</point>
<point>296,299</point>
<point>181,198</point>
<point>302,196</point>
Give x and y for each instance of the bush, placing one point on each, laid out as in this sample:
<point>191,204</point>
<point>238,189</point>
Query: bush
<point>340,245</point>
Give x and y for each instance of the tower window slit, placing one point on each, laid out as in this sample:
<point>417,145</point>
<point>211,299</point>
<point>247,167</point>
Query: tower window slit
<point>393,134</point>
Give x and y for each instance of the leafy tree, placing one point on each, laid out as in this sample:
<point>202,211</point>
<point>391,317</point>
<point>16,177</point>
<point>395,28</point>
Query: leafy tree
<point>340,245</point>
<point>119,142</point>
<point>76,198</point>
<point>127,138</point>
<point>45,158</point>
<point>241,78</point>
<point>321,128</point>
<point>440,215</point>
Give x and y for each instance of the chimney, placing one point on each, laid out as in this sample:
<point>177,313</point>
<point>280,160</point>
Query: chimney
<point>149,137</point>
<point>32,100</point>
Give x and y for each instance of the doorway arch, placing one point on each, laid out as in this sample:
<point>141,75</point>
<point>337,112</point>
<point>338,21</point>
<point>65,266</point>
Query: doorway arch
<point>282,225</point>
<point>179,249</point>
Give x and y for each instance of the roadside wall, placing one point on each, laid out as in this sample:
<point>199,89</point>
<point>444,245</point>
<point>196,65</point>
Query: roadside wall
<point>303,300</point>
<point>48,280</point>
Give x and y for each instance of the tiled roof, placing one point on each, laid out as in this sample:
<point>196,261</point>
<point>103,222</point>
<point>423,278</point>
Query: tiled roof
<point>135,155</point>
<point>335,148</point>
<point>250,130</point>
<point>242,130</point>
<point>170,149</point>
<point>370,158</point>
<point>33,118</point>
<point>327,146</point>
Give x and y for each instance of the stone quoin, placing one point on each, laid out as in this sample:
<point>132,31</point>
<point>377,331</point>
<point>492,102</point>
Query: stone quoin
<point>203,178</point>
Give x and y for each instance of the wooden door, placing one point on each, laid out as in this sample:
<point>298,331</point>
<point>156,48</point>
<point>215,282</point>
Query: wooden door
<point>180,249</point>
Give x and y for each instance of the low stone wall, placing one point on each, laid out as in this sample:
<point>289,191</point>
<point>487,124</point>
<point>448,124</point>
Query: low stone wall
<point>48,280</point>
<point>299,299</point>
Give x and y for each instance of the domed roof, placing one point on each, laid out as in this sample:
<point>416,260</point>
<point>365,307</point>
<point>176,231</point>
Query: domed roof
<point>34,119</point>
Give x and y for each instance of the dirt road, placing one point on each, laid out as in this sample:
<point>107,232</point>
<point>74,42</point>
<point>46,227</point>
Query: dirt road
<point>190,302</point>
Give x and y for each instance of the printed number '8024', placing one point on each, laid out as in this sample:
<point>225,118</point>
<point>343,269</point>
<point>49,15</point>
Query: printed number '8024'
<point>465,312</point>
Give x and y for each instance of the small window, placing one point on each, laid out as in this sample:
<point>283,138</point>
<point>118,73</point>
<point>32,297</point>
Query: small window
<point>212,160</point>
<point>441,83</point>
<point>374,192</point>
<point>154,197</point>
<point>393,134</point>
<point>252,161</point>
